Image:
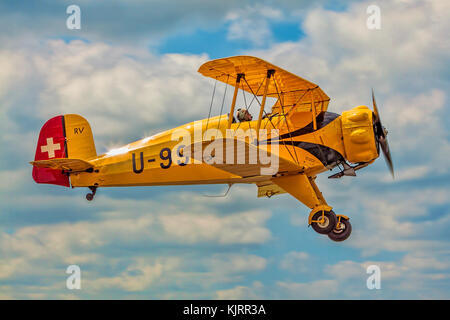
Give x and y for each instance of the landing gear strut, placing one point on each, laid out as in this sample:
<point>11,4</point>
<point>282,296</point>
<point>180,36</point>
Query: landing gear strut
<point>90,196</point>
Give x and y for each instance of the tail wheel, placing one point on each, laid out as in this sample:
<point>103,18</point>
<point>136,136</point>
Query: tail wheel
<point>90,196</point>
<point>324,222</point>
<point>341,231</point>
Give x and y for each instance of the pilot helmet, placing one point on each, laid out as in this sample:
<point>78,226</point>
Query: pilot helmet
<point>241,112</point>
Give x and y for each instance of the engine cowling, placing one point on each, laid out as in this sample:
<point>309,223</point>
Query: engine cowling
<point>358,134</point>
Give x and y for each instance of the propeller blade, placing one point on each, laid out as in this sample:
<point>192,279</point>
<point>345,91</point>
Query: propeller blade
<point>387,155</point>
<point>382,137</point>
<point>375,109</point>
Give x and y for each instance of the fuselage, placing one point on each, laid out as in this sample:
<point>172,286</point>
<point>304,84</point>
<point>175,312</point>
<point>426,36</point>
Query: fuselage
<point>165,158</point>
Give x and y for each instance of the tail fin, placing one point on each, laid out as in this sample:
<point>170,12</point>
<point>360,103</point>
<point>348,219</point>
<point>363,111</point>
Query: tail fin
<point>63,137</point>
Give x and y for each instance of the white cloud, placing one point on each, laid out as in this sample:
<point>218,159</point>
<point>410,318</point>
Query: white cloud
<point>240,228</point>
<point>237,263</point>
<point>295,261</point>
<point>44,249</point>
<point>255,291</point>
<point>415,276</point>
<point>390,223</point>
<point>60,240</point>
<point>110,86</point>
<point>410,173</point>
<point>346,59</point>
<point>311,290</point>
<point>138,276</point>
<point>252,24</point>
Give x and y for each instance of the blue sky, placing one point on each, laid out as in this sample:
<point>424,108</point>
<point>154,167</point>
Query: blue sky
<point>131,71</point>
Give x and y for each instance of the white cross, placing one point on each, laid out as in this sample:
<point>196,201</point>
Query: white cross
<point>50,148</point>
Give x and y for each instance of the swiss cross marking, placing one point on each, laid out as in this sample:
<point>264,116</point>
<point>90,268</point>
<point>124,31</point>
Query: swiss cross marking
<point>50,148</point>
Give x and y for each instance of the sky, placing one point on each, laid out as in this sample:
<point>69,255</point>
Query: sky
<point>131,71</point>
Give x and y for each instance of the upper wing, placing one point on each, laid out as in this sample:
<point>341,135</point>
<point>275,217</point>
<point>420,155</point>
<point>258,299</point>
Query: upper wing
<point>291,90</point>
<point>71,165</point>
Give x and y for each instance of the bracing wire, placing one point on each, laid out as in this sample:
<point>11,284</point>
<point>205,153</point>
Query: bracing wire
<point>223,101</point>
<point>210,105</point>
<point>285,119</point>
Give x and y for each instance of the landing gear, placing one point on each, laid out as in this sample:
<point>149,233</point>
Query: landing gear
<point>342,230</point>
<point>90,196</point>
<point>323,222</point>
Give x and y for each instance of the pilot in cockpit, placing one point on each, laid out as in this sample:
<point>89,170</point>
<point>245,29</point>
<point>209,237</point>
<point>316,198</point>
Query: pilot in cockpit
<point>243,115</point>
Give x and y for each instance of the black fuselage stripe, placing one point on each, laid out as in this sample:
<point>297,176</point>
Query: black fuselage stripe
<point>316,150</point>
<point>322,120</point>
<point>65,137</point>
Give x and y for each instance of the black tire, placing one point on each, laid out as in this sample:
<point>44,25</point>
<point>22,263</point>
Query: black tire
<point>328,225</point>
<point>89,196</point>
<point>345,229</point>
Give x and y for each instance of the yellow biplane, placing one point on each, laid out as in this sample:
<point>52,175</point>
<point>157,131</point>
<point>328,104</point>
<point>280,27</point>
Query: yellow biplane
<point>280,152</point>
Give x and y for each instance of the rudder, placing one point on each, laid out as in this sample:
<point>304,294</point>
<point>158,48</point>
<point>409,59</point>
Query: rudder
<point>79,138</point>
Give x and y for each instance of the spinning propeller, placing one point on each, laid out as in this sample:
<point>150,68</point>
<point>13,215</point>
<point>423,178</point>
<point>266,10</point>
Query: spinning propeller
<point>381,136</point>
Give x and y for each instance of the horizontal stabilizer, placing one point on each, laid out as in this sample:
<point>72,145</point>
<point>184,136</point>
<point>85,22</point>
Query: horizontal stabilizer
<point>70,165</point>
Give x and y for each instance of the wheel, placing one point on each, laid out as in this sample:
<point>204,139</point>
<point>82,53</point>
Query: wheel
<point>89,197</point>
<point>341,233</point>
<point>328,224</point>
